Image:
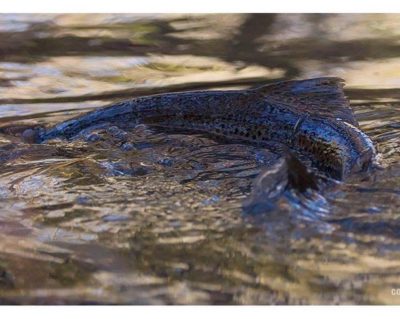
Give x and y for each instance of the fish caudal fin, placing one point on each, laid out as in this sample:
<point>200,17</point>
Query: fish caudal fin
<point>320,96</point>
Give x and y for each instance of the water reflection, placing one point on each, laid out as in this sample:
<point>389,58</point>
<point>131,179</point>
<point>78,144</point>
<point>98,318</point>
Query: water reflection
<point>149,217</point>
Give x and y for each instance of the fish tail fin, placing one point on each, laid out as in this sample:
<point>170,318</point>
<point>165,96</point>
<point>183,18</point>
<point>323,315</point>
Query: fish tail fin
<point>319,96</point>
<point>69,128</point>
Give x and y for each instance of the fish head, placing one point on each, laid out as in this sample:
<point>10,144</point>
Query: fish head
<point>361,151</point>
<point>364,162</point>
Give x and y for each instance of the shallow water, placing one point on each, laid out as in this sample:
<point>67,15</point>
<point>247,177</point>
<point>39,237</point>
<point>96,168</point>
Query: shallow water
<point>149,217</point>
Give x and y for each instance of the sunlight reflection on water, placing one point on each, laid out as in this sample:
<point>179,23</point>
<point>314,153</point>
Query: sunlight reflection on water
<point>161,220</point>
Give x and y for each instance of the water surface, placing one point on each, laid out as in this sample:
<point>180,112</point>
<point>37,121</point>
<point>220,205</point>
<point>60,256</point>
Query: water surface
<point>150,217</point>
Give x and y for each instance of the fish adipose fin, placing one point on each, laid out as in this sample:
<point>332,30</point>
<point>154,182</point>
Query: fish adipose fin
<point>320,96</point>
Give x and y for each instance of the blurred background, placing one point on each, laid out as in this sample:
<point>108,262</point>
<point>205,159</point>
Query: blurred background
<point>162,223</point>
<point>87,57</point>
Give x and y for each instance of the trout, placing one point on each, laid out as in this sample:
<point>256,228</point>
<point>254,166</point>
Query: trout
<point>309,117</point>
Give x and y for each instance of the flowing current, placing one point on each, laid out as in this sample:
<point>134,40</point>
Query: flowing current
<point>145,216</point>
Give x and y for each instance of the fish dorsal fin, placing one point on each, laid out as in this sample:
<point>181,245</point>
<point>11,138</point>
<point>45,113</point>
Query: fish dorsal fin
<point>319,96</point>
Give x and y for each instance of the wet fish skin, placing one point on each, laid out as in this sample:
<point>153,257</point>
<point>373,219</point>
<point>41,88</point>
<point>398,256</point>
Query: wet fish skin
<point>287,115</point>
<point>336,147</point>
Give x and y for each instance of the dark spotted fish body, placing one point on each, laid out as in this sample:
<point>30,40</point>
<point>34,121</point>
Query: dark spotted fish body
<point>311,117</point>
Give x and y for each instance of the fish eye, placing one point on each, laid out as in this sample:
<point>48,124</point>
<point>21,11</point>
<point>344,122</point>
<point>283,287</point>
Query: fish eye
<point>363,162</point>
<point>359,163</point>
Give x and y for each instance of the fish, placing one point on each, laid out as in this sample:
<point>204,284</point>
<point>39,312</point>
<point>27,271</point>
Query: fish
<point>311,118</point>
